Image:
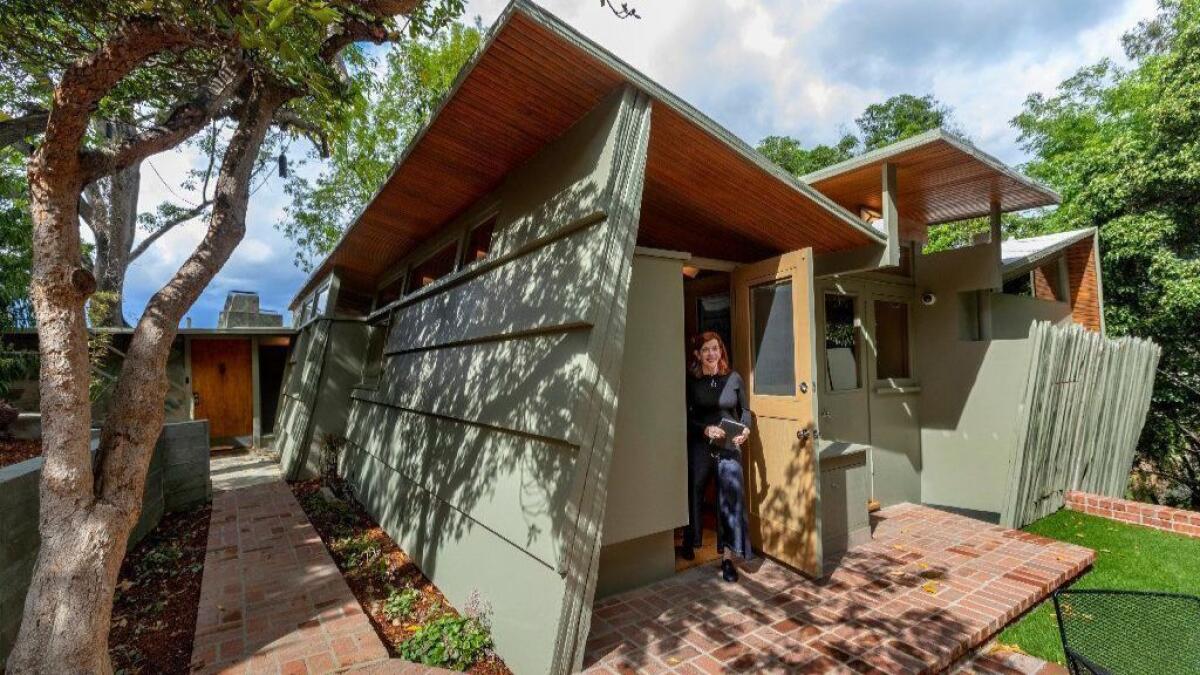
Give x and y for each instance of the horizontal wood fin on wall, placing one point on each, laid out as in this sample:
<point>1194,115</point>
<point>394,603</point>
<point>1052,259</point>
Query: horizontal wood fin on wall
<point>553,285</point>
<point>512,485</point>
<point>529,384</point>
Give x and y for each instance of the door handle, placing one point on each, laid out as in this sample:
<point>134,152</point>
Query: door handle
<point>195,398</point>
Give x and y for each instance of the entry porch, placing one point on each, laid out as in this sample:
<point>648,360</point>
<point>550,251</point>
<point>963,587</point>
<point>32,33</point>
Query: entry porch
<point>929,587</point>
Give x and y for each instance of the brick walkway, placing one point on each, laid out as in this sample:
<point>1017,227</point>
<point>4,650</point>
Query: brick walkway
<point>272,600</point>
<point>927,589</point>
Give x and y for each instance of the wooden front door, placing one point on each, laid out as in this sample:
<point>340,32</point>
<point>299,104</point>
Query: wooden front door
<point>773,349</point>
<point>221,387</point>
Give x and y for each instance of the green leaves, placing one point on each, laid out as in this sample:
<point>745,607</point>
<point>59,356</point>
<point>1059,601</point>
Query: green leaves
<point>449,641</point>
<point>880,124</point>
<point>1123,148</point>
<point>369,130</point>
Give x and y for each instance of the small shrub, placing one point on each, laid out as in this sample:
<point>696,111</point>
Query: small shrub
<point>400,603</point>
<point>448,641</point>
<point>357,551</point>
<point>162,558</point>
<point>339,516</point>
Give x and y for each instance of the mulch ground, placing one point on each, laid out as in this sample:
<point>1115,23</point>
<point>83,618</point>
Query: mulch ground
<point>13,450</point>
<point>154,611</point>
<point>372,588</point>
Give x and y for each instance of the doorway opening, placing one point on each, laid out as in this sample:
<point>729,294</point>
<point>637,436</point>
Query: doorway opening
<point>707,307</point>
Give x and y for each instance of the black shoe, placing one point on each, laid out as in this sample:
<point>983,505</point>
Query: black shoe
<point>728,571</point>
<point>687,553</point>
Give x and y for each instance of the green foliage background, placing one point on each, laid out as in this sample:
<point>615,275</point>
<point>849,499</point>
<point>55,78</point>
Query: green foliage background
<point>400,92</point>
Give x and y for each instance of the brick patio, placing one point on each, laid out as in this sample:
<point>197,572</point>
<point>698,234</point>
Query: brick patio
<point>927,589</point>
<point>272,600</point>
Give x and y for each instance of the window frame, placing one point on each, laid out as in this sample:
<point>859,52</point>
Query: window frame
<point>372,383</point>
<point>491,216</point>
<point>911,378</point>
<point>857,297</point>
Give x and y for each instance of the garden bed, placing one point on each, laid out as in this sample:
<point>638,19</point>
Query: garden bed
<point>410,615</point>
<point>1128,557</point>
<point>154,610</point>
<point>15,450</point>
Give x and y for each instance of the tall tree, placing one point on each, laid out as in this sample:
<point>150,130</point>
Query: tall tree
<point>791,154</point>
<point>109,206</point>
<point>899,117</point>
<point>372,134</point>
<point>254,62</point>
<point>1120,145</point>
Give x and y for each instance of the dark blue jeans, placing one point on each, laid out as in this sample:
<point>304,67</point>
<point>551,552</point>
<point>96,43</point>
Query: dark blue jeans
<point>733,528</point>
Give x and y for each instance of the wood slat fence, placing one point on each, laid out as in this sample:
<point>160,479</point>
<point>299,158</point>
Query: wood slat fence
<point>1084,406</point>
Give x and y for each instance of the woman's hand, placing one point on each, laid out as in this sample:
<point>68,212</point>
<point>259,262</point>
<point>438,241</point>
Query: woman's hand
<point>741,438</point>
<point>714,432</point>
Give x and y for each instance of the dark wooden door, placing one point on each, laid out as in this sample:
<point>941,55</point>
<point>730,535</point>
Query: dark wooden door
<point>221,386</point>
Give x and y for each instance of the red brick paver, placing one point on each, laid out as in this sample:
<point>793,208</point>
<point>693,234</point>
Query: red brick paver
<point>928,588</point>
<point>272,600</point>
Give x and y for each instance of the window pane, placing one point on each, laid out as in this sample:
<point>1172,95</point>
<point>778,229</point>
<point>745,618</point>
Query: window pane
<point>432,269</point>
<point>841,343</point>
<point>479,242</point>
<point>774,341</point>
<point>891,340</point>
<point>319,307</point>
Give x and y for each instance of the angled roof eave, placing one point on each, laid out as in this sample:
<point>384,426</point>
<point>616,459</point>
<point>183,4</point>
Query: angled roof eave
<point>631,75</point>
<point>1026,263</point>
<point>692,114</point>
<point>322,269</point>
<point>931,136</point>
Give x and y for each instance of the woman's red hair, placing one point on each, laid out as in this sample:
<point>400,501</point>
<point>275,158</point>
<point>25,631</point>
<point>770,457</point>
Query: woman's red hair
<point>698,342</point>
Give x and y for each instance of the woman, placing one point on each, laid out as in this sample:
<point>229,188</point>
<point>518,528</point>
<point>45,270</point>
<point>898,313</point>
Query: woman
<point>714,392</point>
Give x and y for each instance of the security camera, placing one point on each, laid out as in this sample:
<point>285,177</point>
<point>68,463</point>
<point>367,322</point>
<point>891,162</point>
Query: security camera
<point>928,298</point>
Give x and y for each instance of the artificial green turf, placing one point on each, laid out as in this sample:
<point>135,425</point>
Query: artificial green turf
<point>1128,557</point>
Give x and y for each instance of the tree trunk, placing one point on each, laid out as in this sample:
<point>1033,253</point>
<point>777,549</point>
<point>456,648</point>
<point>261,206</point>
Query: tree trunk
<point>113,221</point>
<point>62,631</point>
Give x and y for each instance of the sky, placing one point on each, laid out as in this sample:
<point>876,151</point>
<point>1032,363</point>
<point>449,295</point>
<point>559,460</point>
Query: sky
<point>803,68</point>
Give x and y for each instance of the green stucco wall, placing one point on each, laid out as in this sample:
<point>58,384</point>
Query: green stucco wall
<point>484,450</point>
<point>647,484</point>
<point>326,366</point>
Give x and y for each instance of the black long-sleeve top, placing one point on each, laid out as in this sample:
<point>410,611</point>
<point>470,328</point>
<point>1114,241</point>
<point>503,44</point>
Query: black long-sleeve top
<point>710,398</point>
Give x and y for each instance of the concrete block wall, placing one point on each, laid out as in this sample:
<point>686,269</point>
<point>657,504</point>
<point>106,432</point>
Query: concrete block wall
<point>178,478</point>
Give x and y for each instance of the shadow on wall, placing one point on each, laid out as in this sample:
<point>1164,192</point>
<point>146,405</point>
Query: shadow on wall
<point>488,389</point>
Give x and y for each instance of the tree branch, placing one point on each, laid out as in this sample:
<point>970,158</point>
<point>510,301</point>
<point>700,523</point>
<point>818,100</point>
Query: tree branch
<point>353,31</point>
<point>86,81</point>
<point>167,226</point>
<point>287,119</point>
<point>182,122</point>
<point>141,387</point>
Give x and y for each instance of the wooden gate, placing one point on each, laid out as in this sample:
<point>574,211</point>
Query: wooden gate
<point>1084,406</point>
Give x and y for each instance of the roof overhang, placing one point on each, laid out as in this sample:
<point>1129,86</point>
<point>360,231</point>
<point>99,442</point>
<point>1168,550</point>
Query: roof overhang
<point>940,178</point>
<point>1021,256</point>
<point>532,79</point>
